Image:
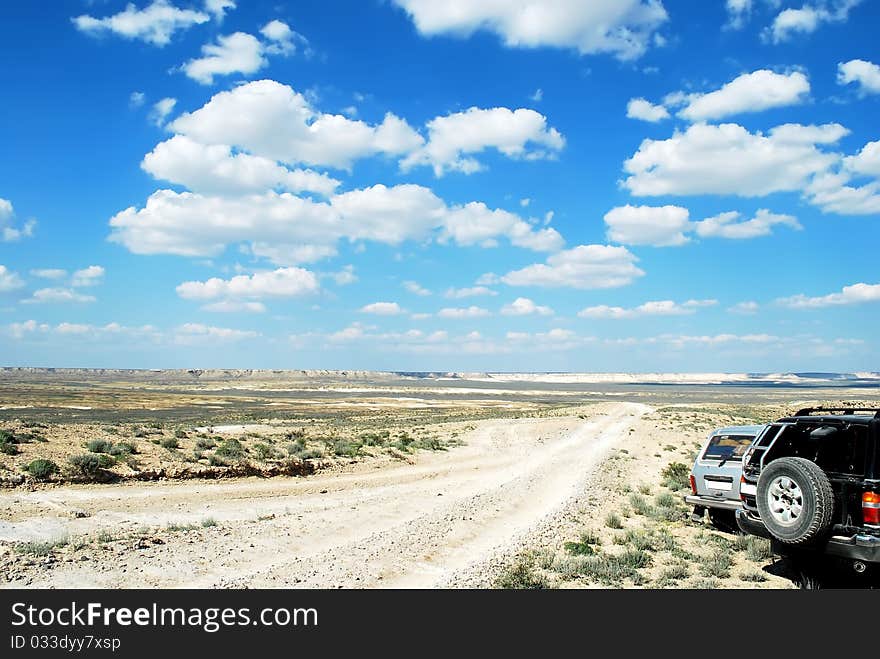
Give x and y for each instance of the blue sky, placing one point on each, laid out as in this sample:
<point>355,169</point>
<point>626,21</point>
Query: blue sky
<point>622,185</point>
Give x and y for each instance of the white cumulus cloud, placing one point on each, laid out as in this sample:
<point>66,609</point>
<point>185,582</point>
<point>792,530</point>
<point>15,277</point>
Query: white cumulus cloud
<point>660,226</point>
<point>807,19</point>
<point>523,306</point>
<point>653,308</point>
<point>463,313</point>
<point>639,108</point>
<point>283,282</point>
<point>866,75</point>
<point>9,280</point>
<point>855,294</point>
<point>623,28</point>
<point>453,139</point>
<point>750,92</point>
<point>728,159</point>
<point>382,309</point>
<point>154,24</point>
<point>583,267</point>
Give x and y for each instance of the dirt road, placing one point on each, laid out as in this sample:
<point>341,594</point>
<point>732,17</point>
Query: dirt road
<point>426,524</point>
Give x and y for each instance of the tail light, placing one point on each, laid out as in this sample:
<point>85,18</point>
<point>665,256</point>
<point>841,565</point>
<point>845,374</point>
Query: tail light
<point>742,479</point>
<point>693,482</point>
<point>871,509</point>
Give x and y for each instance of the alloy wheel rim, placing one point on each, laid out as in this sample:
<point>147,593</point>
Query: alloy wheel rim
<point>785,499</point>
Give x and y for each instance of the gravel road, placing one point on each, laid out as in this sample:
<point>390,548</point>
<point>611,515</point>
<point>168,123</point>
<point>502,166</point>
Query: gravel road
<point>437,522</point>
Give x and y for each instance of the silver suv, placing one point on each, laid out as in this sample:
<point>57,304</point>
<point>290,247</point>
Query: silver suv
<point>715,477</point>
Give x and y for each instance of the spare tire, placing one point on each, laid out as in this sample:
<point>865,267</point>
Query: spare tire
<point>795,500</point>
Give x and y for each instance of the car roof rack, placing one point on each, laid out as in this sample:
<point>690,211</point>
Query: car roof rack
<point>809,411</point>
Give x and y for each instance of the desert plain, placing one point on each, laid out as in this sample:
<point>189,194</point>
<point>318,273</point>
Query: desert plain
<point>334,479</point>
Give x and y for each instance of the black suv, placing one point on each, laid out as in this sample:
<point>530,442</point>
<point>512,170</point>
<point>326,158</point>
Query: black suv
<point>811,484</point>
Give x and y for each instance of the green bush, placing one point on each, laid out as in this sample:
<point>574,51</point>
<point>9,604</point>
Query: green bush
<point>105,460</point>
<point>345,448</point>
<point>585,546</point>
<point>8,448</point>
<point>613,521</point>
<point>639,504</point>
<point>86,464</point>
<point>99,445</point>
<point>180,434</point>
<point>42,469</point>
<point>310,454</point>
<point>123,448</point>
<point>170,443</point>
<point>521,576</point>
<point>675,476</point>
<point>716,565</point>
<point>429,444</point>
<point>205,443</point>
<point>230,448</point>
<point>264,452</point>
<point>296,447</point>
<point>612,570</point>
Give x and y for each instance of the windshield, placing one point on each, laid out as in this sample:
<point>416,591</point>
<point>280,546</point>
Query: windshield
<point>727,447</point>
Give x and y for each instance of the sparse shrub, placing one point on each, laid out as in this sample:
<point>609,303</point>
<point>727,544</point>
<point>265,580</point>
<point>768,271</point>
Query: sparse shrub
<point>758,549</point>
<point>639,504</point>
<point>645,489</point>
<point>264,452</point>
<point>345,448</point>
<point>675,572</point>
<point>637,539</point>
<point>230,448</point>
<point>702,583</point>
<point>40,548</point>
<point>123,448</point>
<point>666,500</point>
<point>374,438</point>
<point>99,445</point>
<point>180,434</point>
<point>310,454</point>
<point>296,447</point>
<point>205,443</point>
<point>613,521</point>
<point>429,444</point>
<point>105,536</point>
<point>675,476</point>
<point>716,564</point>
<point>41,469</point>
<point>170,443</point>
<point>86,464</point>
<point>753,576</point>
<point>8,448</point>
<point>522,576</point>
<point>105,461</point>
<point>209,522</point>
<point>613,569</point>
<point>585,546</point>
<point>215,461</point>
<point>403,443</point>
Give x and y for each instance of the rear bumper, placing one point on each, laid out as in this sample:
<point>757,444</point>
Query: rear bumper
<point>751,524</point>
<point>857,547</point>
<point>709,502</point>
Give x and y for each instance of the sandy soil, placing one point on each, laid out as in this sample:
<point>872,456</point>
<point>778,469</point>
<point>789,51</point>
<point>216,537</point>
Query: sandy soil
<point>437,522</point>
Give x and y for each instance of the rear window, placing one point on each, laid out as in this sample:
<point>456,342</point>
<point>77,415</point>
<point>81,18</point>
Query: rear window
<point>727,447</point>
